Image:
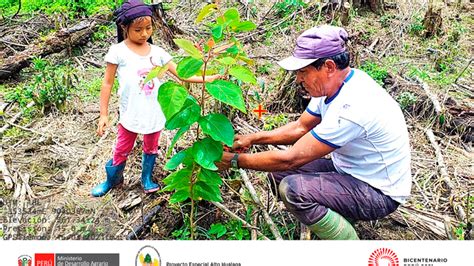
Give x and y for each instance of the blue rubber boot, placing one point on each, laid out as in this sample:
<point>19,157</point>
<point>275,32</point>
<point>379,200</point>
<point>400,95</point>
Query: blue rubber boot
<point>114,178</point>
<point>148,162</point>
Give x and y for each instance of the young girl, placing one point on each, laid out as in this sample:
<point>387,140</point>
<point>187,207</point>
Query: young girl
<point>140,112</point>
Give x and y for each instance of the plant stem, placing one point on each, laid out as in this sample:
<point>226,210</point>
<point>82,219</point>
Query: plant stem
<point>191,216</point>
<point>203,89</point>
<point>191,222</point>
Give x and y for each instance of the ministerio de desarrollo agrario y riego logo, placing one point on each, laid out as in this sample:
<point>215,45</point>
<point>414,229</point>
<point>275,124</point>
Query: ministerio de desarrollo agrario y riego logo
<point>383,256</point>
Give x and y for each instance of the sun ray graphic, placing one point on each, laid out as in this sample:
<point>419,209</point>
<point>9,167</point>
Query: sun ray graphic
<point>383,255</point>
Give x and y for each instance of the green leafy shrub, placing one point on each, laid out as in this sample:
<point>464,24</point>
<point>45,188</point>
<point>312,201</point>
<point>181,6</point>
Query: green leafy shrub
<point>386,20</point>
<point>456,31</point>
<point>416,27</point>
<point>101,33</point>
<point>233,230</point>
<point>287,7</point>
<point>52,86</point>
<point>377,72</point>
<point>406,99</point>
<point>274,121</point>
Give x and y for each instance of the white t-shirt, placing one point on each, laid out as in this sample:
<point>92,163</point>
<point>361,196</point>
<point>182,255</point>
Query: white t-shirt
<point>368,130</point>
<point>140,111</point>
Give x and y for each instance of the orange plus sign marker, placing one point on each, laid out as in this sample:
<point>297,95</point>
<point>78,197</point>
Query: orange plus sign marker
<point>260,111</point>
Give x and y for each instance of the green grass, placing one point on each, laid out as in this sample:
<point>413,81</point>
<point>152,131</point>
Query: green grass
<point>72,8</point>
<point>416,26</point>
<point>14,133</point>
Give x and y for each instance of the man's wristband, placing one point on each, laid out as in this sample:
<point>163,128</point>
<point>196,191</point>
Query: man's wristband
<point>234,161</point>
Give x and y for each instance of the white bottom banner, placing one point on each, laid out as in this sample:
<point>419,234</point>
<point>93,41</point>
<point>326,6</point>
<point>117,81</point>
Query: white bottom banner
<point>236,253</point>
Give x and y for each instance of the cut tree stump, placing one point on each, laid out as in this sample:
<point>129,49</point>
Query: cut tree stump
<point>433,21</point>
<point>376,6</point>
<point>345,17</point>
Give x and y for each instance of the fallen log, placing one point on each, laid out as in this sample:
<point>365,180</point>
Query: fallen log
<point>56,42</point>
<point>147,219</point>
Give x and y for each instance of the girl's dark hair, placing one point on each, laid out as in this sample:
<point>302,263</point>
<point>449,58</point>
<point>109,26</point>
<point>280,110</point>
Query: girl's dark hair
<point>342,60</point>
<point>122,35</point>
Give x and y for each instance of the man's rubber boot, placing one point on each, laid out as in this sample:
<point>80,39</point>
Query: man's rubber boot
<point>114,178</point>
<point>148,163</point>
<point>334,227</point>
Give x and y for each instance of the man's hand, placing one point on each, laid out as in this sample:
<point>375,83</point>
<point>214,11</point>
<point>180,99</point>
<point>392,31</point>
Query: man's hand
<point>224,164</point>
<point>242,142</point>
<point>102,125</point>
<point>213,77</point>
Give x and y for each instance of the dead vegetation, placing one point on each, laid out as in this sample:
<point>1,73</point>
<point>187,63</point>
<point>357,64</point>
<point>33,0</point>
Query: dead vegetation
<point>50,161</point>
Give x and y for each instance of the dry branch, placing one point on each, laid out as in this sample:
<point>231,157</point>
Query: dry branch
<point>235,216</point>
<point>256,199</point>
<point>20,194</point>
<point>425,221</point>
<point>305,233</point>
<point>15,118</point>
<point>457,207</point>
<point>244,127</point>
<point>431,96</point>
<point>4,169</point>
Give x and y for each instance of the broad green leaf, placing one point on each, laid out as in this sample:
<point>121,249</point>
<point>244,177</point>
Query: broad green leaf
<point>177,159</point>
<point>156,72</point>
<point>186,116</point>
<point>210,71</point>
<point>188,67</point>
<point>178,179</point>
<point>227,92</point>
<point>217,32</point>
<point>218,127</point>
<point>206,11</point>
<point>244,26</point>
<point>206,152</point>
<point>244,74</point>
<point>217,229</point>
<point>245,59</point>
<point>220,20</point>
<point>232,14</point>
<point>233,50</point>
<point>442,119</point>
<point>226,60</point>
<point>206,192</point>
<point>188,47</point>
<point>176,137</point>
<point>180,196</point>
<point>209,177</point>
<point>171,97</point>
